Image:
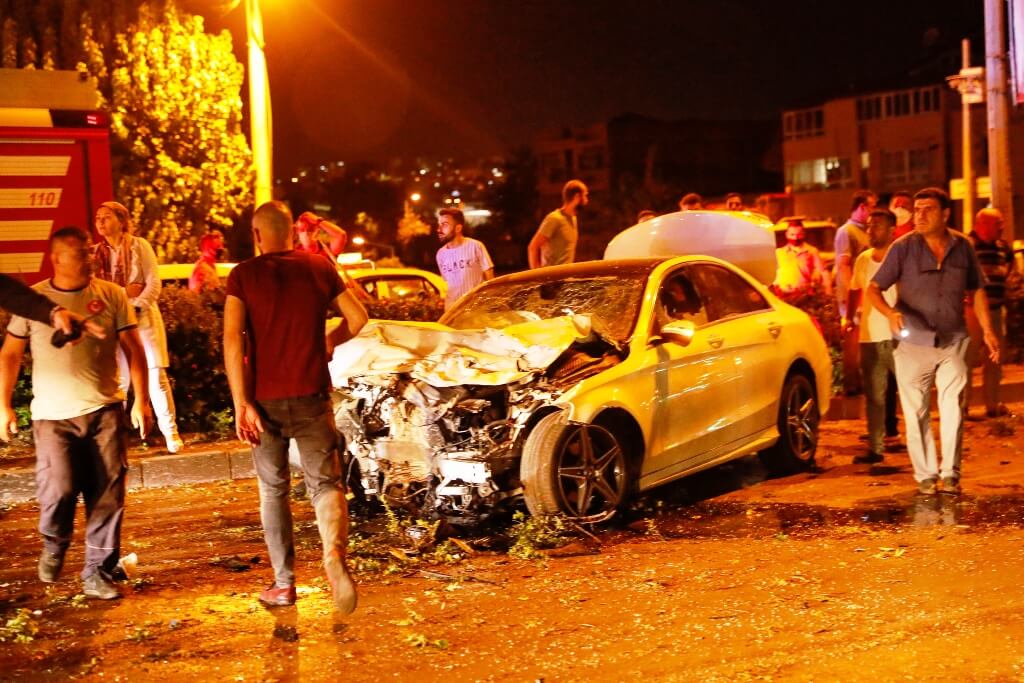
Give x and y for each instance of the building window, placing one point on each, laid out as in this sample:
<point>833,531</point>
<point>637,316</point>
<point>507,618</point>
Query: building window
<point>804,123</point>
<point>819,174</point>
<point>865,159</point>
<point>901,103</point>
<point>906,167</point>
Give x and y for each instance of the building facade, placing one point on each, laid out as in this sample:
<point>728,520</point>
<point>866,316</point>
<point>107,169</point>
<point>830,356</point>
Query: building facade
<point>885,141</point>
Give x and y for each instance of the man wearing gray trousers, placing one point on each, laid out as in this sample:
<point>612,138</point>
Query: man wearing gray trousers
<point>77,412</point>
<point>276,354</point>
<point>934,268</point>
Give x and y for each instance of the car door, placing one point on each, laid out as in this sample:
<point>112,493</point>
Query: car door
<point>690,405</point>
<point>747,331</point>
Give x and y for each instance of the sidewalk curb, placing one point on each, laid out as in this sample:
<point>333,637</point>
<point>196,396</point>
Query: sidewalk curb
<point>19,485</point>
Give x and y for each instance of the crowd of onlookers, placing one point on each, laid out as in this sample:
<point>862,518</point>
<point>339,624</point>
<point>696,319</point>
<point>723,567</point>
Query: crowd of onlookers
<point>921,302</point>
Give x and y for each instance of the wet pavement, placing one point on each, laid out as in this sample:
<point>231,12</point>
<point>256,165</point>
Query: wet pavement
<point>843,573</point>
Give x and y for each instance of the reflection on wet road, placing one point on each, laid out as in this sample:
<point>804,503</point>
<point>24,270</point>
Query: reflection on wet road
<point>727,519</point>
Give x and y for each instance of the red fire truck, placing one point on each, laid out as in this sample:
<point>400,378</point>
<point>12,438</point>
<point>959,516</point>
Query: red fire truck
<point>54,163</point>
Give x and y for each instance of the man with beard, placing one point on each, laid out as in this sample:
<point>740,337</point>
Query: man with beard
<point>462,261</point>
<point>876,342</point>
<point>204,275</point>
<point>554,243</point>
<point>799,264</point>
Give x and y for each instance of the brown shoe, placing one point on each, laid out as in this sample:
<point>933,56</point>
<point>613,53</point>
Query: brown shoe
<point>278,597</point>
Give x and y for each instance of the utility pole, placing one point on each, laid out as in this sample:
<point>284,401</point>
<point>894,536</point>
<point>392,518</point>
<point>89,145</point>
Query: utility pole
<point>965,131</point>
<point>259,105</point>
<point>997,107</point>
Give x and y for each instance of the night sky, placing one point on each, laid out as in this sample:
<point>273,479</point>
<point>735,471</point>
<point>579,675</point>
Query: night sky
<point>375,79</point>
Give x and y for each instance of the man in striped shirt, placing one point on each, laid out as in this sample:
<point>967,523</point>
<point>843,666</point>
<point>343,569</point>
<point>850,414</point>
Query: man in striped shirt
<point>996,259</point>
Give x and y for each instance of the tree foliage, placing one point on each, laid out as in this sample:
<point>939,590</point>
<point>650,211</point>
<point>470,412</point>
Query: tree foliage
<point>181,162</point>
<point>176,106</point>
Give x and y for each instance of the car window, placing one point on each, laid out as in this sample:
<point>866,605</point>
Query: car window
<point>398,287</point>
<point>678,300</point>
<point>724,292</point>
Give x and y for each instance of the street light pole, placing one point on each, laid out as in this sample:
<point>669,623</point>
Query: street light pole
<point>968,161</point>
<point>259,105</point>
<point>998,114</point>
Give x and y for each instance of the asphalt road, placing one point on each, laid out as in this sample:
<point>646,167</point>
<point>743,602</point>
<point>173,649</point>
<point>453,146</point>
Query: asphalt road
<point>840,574</point>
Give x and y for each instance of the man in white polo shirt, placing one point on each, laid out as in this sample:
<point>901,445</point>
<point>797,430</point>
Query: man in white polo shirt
<point>463,261</point>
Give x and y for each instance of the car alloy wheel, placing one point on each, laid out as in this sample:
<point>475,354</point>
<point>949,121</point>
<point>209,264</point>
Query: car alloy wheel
<point>798,426</point>
<point>578,470</point>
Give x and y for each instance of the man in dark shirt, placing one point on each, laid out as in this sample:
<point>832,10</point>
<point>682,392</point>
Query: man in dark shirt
<point>933,268</point>
<point>276,358</point>
<point>996,259</point>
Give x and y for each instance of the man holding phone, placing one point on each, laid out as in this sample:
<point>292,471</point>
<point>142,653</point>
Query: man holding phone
<point>77,412</point>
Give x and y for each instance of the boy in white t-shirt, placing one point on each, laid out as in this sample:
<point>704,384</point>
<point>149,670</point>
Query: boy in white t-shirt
<point>876,342</point>
<point>462,261</point>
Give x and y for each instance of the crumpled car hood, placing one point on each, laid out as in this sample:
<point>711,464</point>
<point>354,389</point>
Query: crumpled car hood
<point>444,357</point>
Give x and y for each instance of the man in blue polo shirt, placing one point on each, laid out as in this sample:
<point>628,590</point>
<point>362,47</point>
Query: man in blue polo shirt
<point>933,269</point>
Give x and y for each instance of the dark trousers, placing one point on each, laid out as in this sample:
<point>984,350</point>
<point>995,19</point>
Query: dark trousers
<point>87,455</point>
<point>877,367</point>
<point>308,420</point>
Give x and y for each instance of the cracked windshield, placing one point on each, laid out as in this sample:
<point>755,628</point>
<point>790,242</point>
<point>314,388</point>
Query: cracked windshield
<point>614,299</point>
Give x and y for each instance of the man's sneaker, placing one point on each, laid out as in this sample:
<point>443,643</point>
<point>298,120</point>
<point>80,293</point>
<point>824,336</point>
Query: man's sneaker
<point>98,587</point>
<point>342,585</point>
<point>926,486</point>
<point>174,444</point>
<point>869,458</point>
<point>278,597</point>
<point>951,486</point>
<point>50,566</point>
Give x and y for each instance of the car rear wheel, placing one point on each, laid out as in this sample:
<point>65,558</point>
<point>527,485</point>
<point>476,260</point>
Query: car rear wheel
<point>578,470</point>
<point>799,417</point>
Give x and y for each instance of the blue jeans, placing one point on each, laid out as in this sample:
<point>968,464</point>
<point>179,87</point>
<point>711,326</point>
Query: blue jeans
<point>308,420</point>
<point>876,363</point>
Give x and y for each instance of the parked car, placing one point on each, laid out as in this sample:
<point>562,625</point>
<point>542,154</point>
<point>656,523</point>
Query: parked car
<point>574,387</point>
<point>398,283</point>
<point>178,273</point>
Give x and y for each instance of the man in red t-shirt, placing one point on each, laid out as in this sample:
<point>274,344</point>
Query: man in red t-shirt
<point>308,228</point>
<point>276,358</point>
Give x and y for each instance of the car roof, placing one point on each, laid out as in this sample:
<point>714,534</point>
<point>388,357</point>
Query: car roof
<point>622,267</point>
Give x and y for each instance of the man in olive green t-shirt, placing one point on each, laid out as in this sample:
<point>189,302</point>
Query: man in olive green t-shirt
<point>555,240</point>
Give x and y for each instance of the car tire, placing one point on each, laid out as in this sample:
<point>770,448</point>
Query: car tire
<point>575,470</point>
<point>799,417</point>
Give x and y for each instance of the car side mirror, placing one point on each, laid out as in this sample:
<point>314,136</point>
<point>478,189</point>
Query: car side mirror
<point>679,332</point>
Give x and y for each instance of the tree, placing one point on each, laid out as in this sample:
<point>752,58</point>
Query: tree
<point>176,113</point>
<point>181,162</point>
